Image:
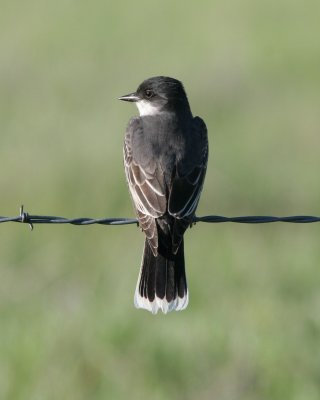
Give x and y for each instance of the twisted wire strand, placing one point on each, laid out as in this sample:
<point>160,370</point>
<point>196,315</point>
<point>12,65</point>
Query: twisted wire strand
<point>24,217</point>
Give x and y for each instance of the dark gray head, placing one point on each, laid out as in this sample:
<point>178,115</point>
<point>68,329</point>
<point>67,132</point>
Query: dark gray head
<point>159,94</point>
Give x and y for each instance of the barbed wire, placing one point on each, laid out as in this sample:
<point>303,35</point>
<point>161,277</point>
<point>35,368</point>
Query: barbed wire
<point>26,218</point>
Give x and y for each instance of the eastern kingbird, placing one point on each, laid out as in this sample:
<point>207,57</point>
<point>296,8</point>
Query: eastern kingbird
<point>165,159</point>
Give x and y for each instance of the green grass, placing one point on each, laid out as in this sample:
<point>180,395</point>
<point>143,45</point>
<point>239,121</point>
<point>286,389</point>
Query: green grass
<point>68,328</point>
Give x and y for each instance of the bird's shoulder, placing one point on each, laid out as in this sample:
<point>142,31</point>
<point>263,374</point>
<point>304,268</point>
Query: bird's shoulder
<point>134,124</point>
<point>201,131</point>
<point>200,127</point>
<point>134,127</point>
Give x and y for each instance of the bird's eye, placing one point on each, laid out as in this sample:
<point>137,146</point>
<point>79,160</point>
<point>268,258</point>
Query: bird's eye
<point>148,93</point>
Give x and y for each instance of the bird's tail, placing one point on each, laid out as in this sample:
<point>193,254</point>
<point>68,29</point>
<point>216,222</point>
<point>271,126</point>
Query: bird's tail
<point>162,283</point>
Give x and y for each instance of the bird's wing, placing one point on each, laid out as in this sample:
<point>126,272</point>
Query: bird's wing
<point>146,185</point>
<point>188,180</point>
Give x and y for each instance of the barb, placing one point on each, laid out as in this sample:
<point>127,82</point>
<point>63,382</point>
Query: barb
<point>26,218</point>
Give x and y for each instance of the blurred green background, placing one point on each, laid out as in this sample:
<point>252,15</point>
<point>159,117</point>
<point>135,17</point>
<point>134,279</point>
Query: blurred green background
<point>68,328</point>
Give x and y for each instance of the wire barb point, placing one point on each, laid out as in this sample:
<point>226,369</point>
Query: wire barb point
<point>25,218</point>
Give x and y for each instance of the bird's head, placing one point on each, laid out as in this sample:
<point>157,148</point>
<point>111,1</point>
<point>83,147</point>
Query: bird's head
<point>159,94</point>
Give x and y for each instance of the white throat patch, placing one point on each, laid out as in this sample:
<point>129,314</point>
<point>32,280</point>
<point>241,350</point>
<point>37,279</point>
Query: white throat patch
<point>146,108</point>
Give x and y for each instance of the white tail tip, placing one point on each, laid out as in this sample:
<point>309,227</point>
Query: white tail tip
<point>178,304</point>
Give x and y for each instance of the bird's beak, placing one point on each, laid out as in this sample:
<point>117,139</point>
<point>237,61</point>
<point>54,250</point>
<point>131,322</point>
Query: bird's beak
<point>130,97</point>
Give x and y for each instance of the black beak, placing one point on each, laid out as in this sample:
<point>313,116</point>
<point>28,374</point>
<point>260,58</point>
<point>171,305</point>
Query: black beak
<point>130,97</point>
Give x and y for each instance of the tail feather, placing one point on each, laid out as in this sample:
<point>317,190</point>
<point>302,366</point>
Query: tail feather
<point>162,283</point>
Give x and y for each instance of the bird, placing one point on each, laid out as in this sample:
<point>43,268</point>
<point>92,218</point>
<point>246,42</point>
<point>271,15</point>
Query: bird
<point>165,155</point>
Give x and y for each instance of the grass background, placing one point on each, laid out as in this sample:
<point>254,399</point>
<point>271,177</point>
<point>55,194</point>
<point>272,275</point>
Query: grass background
<point>68,329</point>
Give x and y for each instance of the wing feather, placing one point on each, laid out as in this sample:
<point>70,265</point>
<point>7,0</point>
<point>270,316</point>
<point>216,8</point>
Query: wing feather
<point>147,189</point>
<point>187,185</point>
